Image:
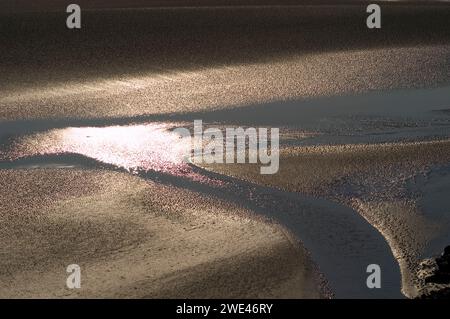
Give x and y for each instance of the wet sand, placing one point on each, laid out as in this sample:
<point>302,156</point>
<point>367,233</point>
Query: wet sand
<point>383,182</point>
<point>178,61</point>
<point>136,239</point>
<point>364,122</point>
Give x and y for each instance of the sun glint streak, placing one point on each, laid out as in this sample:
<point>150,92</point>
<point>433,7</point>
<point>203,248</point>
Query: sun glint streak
<point>145,148</point>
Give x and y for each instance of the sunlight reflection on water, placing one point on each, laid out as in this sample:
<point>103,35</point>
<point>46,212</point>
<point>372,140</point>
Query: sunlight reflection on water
<point>136,148</point>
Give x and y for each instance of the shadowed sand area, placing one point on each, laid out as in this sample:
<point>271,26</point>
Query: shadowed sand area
<point>145,62</point>
<point>138,239</point>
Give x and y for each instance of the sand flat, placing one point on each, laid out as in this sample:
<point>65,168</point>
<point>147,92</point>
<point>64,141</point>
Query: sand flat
<point>371,178</point>
<point>133,238</point>
<point>316,69</point>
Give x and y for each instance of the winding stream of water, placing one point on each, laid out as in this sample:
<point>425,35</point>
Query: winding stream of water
<point>340,241</point>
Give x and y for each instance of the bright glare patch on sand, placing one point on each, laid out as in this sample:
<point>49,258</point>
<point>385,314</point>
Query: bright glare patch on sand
<point>136,148</point>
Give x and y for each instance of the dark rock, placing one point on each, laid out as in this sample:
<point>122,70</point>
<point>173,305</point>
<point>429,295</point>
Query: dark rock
<point>435,293</point>
<point>446,251</point>
<point>438,278</point>
<point>434,274</point>
<point>444,266</point>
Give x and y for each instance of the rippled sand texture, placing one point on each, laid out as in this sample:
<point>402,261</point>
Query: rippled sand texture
<point>138,239</point>
<point>92,174</point>
<point>373,179</point>
<point>135,63</point>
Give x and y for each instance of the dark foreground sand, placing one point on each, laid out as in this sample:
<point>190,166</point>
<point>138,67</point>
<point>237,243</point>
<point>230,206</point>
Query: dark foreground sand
<point>377,181</point>
<point>138,239</point>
